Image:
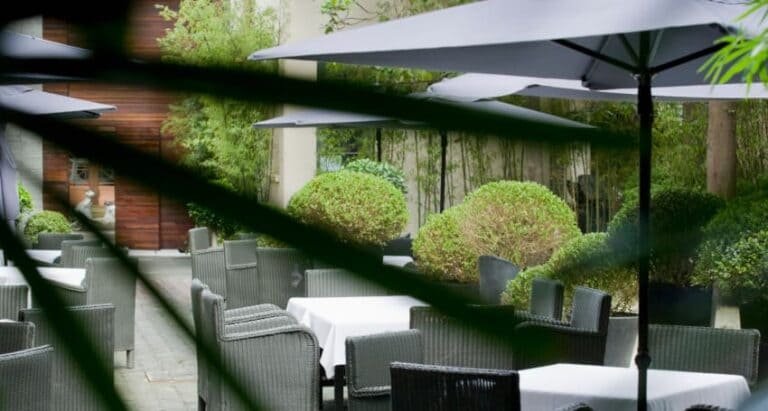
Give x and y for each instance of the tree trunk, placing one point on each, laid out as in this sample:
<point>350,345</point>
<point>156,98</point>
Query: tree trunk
<point>721,149</point>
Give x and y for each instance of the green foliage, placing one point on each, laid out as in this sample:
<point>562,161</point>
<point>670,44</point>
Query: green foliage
<point>360,208</point>
<point>740,269</point>
<point>741,55</point>
<point>588,261</point>
<point>520,221</point>
<point>678,218</point>
<point>45,222</point>
<point>740,220</point>
<point>384,170</point>
<point>215,134</point>
<point>204,217</point>
<point>25,199</point>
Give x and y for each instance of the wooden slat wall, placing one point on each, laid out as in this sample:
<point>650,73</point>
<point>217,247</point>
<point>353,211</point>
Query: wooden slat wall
<point>144,219</point>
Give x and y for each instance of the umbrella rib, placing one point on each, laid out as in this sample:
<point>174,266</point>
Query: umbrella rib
<point>628,48</point>
<point>596,55</point>
<point>685,59</point>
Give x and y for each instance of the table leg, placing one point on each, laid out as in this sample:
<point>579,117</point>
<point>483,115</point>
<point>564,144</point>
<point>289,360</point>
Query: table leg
<point>338,386</point>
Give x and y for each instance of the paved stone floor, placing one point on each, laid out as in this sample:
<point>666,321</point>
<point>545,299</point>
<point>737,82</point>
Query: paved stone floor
<point>164,377</point>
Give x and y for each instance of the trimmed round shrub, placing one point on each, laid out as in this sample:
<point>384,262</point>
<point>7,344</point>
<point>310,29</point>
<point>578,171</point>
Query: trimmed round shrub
<point>736,229</point>
<point>587,261</point>
<point>360,208</point>
<point>384,170</point>
<point>25,199</point>
<point>740,270</point>
<point>46,222</point>
<point>678,217</point>
<point>522,222</point>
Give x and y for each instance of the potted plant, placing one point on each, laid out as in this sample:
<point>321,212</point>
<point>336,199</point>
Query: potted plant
<point>45,222</point>
<point>587,260</point>
<point>522,222</point>
<point>678,217</point>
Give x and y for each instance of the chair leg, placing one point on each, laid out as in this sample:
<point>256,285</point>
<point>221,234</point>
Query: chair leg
<point>129,360</point>
<point>338,386</point>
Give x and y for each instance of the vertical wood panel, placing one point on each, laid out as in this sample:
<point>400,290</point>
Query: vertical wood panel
<point>143,219</point>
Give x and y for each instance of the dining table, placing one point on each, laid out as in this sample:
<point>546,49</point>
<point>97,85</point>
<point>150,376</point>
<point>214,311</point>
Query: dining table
<point>69,278</point>
<point>615,388</point>
<point>333,319</point>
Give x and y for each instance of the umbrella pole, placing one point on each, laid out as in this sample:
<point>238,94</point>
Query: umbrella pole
<point>645,113</point>
<point>443,153</point>
<point>378,144</point>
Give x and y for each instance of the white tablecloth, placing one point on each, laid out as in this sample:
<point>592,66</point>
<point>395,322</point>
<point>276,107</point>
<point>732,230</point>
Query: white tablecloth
<point>66,277</point>
<point>397,260</point>
<point>46,256</point>
<point>615,389</point>
<point>334,319</point>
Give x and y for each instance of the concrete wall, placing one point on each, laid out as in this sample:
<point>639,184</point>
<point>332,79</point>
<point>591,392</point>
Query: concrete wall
<point>27,147</point>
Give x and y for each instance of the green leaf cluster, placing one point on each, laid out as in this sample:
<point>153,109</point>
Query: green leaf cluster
<point>360,208</point>
<point>522,222</point>
<point>25,199</point>
<point>215,135</point>
<point>380,169</point>
<point>45,222</point>
<point>586,260</point>
<point>740,269</point>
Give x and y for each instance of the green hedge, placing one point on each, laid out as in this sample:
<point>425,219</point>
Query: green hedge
<point>360,208</point>
<point>45,222</point>
<point>522,222</point>
<point>678,219</point>
<point>588,261</point>
<point>25,199</point>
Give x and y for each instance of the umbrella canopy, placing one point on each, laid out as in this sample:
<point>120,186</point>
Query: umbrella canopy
<point>38,102</point>
<point>16,45</point>
<point>481,86</point>
<point>534,38</point>
<point>605,44</point>
<point>340,119</point>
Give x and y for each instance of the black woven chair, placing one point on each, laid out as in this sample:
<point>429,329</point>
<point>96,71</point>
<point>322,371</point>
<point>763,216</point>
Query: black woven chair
<point>495,273</point>
<point>52,241</point>
<point>580,341</point>
<point>546,300</point>
<point>420,387</point>
<point>705,349</point>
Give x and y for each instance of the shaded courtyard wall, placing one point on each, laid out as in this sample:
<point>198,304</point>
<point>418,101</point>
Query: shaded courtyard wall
<point>144,219</point>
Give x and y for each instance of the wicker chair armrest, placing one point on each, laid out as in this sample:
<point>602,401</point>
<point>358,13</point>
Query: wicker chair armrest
<point>244,332</point>
<point>706,407</point>
<point>16,336</point>
<point>258,324</point>
<point>372,392</point>
<point>527,316</point>
<point>242,266</point>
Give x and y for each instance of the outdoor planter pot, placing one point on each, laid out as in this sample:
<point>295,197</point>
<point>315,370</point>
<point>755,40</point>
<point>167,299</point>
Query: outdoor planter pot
<point>621,342</point>
<point>755,315</point>
<point>674,304</point>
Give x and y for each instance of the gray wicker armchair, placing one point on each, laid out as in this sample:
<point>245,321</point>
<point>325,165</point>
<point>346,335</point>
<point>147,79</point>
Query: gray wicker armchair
<point>52,241</point>
<point>67,246</point>
<point>448,342</point>
<point>13,297</point>
<point>71,392</point>
<point>580,341</point>
<point>16,336</point>
<point>26,379</point>
<point>495,273</point>
<point>333,282</point>
<point>277,363</point>
<point>241,273</point>
<point>208,267</point>
<point>199,238</point>
<point>546,300</point>
<point>418,387</point>
<point>367,368</point>
<point>235,316</point>
<point>705,349</point>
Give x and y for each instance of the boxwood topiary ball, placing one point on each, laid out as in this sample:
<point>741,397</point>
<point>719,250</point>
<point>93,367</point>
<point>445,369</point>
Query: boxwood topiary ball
<point>522,222</point>
<point>360,208</point>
